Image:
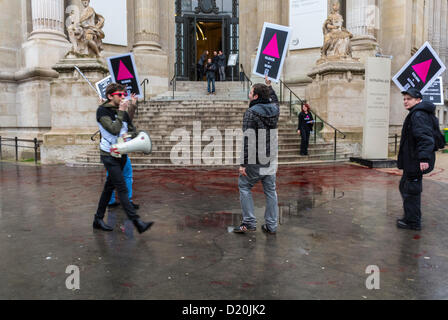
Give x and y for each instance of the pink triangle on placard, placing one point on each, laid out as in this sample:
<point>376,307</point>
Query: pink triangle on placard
<point>272,48</point>
<point>123,72</point>
<point>422,69</point>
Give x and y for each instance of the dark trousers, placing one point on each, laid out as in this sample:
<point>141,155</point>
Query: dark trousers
<point>305,134</point>
<point>115,180</point>
<point>200,72</point>
<point>411,192</point>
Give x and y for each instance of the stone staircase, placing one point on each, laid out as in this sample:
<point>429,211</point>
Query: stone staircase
<point>192,112</point>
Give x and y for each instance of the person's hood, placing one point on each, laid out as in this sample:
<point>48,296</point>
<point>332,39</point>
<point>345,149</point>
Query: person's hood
<point>108,104</point>
<point>268,113</point>
<point>424,106</point>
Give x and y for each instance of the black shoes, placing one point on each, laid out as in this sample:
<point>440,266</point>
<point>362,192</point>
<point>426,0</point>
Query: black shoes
<point>243,228</point>
<point>401,224</point>
<point>142,226</point>
<point>266,229</point>
<point>99,224</point>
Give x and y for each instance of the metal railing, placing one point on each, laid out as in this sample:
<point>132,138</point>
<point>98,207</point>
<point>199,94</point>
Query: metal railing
<point>16,145</point>
<point>247,83</point>
<point>173,81</point>
<point>395,137</point>
<point>317,119</point>
<point>143,84</point>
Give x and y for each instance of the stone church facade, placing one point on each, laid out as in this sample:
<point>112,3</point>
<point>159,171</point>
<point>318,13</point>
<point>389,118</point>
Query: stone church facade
<point>164,37</point>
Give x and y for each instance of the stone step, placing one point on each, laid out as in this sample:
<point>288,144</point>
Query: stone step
<point>217,161</point>
<point>204,166</point>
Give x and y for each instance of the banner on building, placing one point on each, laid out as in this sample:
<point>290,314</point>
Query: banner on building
<point>306,18</point>
<point>434,93</point>
<point>421,70</point>
<point>123,71</point>
<point>272,50</point>
<point>102,85</point>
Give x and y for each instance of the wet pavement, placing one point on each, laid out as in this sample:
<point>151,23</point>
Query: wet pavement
<point>335,221</point>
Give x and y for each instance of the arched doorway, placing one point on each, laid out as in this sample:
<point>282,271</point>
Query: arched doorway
<point>205,25</point>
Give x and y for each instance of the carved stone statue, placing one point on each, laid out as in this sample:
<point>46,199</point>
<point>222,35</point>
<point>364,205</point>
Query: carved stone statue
<point>336,38</point>
<point>85,34</point>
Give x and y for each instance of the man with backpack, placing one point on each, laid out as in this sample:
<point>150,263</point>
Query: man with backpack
<point>420,139</point>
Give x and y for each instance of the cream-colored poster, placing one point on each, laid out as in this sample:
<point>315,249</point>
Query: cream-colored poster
<point>377,107</point>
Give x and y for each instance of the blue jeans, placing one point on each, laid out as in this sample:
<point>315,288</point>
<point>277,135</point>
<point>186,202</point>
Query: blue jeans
<point>211,80</point>
<point>245,184</point>
<point>127,175</point>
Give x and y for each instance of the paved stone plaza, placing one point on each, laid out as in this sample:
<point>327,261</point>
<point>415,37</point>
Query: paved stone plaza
<point>336,220</point>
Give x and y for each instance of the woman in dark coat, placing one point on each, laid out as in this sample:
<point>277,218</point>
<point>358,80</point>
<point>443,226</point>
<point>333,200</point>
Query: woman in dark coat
<point>306,123</point>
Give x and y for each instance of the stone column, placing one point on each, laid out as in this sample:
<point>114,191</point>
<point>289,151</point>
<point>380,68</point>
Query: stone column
<point>268,11</point>
<point>48,19</point>
<point>147,30</point>
<point>362,21</point>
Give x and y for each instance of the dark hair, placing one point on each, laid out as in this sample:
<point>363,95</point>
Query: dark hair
<point>261,90</point>
<point>114,87</point>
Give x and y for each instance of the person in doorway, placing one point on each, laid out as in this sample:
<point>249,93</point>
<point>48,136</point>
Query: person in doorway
<point>416,156</point>
<point>201,65</point>
<point>110,117</point>
<point>260,122</point>
<point>222,66</point>
<point>215,60</point>
<point>305,126</point>
<point>211,76</point>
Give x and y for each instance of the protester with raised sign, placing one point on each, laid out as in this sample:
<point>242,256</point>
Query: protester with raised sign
<point>111,116</point>
<point>260,122</point>
<point>416,156</point>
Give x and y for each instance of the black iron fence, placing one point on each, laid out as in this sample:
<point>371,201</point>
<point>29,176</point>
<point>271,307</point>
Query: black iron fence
<point>14,142</point>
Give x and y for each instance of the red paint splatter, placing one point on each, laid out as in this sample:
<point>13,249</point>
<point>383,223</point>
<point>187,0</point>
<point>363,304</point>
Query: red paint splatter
<point>127,285</point>
<point>247,285</point>
<point>417,237</point>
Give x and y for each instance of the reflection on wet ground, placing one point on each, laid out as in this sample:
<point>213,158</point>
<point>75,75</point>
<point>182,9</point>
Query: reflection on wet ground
<point>335,221</point>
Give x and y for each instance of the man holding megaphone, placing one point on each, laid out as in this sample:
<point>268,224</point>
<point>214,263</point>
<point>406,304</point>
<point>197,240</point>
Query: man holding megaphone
<point>113,121</point>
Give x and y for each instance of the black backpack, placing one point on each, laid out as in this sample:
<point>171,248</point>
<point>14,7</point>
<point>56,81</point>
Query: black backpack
<point>439,139</point>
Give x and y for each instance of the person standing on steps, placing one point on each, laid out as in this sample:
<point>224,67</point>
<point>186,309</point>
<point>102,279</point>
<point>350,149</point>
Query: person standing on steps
<point>222,66</point>
<point>110,117</point>
<point>305,126</point>
<point>211,76</point>
<point>201,65</point>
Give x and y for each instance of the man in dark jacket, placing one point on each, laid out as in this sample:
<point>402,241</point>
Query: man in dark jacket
<point>211,76</point>
<point>111,117</point>
<point>222,66</point>
<point>416,156</point>
<point>259,162</point>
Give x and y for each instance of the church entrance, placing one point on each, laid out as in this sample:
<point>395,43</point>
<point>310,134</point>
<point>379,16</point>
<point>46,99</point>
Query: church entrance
<point>205,26</point>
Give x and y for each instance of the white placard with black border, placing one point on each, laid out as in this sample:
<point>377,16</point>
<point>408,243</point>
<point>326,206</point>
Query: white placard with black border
<point>233,58</point>
<point>101,86</point>
<point>272,49</point>
<point>123,71</point>
<point>421,70</point>
<point>434,93</point>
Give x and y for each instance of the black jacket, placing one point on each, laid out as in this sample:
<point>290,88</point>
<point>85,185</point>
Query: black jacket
<point>417,140</point>
<point>261,115</point>
<point>303,125</point>
<point>221,60</point>
<point>211,71</point>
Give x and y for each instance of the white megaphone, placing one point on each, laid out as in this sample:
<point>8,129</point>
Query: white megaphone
<point>142,143</point>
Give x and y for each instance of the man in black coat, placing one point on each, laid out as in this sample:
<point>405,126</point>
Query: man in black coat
<point>416,156</point>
